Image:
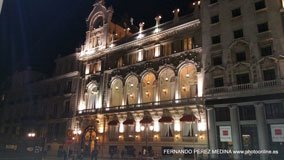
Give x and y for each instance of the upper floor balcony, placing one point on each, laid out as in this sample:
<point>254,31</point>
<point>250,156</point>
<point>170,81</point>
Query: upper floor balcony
<point>258,88</point>
<point>143,106</point>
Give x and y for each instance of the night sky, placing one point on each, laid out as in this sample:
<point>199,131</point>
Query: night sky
<point>34,32</point>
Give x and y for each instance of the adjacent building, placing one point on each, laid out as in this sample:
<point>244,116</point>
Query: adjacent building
<point>211,79</point>
<point>37,110</point>
<point>242,41</point>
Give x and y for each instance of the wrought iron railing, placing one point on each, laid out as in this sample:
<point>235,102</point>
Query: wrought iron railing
<point>143,106</point>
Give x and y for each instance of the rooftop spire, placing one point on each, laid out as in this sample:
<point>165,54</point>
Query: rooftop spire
<point>101,2</point>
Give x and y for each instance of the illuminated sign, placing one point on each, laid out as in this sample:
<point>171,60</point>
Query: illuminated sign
<point>277,132</point>
<point>225,134</point>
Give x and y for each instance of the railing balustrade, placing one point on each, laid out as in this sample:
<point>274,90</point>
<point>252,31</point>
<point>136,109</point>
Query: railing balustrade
<point>244,87</point>
<point>142,106</point>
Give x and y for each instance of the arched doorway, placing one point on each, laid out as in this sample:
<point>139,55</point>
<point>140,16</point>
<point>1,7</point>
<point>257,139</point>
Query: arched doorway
<point>89,143</point>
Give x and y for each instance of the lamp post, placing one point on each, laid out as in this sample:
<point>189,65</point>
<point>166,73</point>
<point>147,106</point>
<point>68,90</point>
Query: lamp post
<point>146,129</point>
<point>76,132</point>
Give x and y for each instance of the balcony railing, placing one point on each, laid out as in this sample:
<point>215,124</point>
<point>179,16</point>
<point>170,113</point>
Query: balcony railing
<point>143,106</point>
<point>244,87</point>
<point>189,139</point>
<point>167,139</point>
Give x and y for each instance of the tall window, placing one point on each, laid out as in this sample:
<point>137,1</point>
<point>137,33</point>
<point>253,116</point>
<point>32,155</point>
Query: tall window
<point>214,19</point>
<point>131,86</point>
<point>149,54</point>
<point>222,114</point>
<point>167,49</point>
<point>68,87</point>
<point>168,130</point>
<point>247,112</point>
<point>116,92</point>
<point>167,84</point>
<point>92,93</point>
<point>266,51</point>
<point>243,78</point>
<point>177,46</point>
<point>187,81</point>
<point>217,60</point>
<point>187,43</point>
<point>67,107</point>
<point>133,58</point>
<point>262,27</point>
<point>238,33</point>
<point>188,129</point>
<point>113,132</point>
<point>148,87</point>
<point>120,62</point>
<point>274,111</point>
<point>216,39</point>
<point>218,82</point>
<point>241,56</point>
<point>236,12</point>
<point>259,5</point>
<point>269,75</point>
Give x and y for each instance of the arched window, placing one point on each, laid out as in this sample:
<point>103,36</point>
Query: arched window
<point>92,93</point>
<point>167,84</point>
<point>116,92</point>
<point>131,86</point>
<point>148,87</point>
<point>99,22</point>
<point>188,81</point>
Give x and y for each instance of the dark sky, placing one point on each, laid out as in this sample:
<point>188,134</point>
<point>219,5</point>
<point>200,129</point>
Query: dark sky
<point>34,32</point>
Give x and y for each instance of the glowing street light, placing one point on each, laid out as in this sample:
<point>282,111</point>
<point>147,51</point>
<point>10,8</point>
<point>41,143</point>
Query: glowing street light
<point>31,135</point>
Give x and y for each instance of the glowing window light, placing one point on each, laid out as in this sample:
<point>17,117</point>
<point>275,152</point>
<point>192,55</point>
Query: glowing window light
<point>201,126</point>
<point>138,126</point>
<point>177,125</point>
<point>121,127</point>
<point>156,126</point>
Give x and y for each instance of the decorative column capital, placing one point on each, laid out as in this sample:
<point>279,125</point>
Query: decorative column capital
<point>259,104</point>
<point>233,106</point>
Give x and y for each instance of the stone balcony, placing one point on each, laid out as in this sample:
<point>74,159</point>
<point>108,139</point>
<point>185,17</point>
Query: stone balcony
<point>144,106</point>
<point>258,88</point>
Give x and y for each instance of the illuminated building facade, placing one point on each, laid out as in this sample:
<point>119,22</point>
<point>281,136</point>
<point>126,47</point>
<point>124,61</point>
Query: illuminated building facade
<point>141,92</point>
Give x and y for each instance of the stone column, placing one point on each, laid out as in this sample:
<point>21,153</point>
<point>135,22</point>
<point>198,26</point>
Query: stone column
<point>262,129</point>
<point>177,90</point>
<point>156,92</point>
<point>235,129</point>
<point>200,81</point>
<point>212,137</point>
<point>139,93</point>
<point>125,96</point>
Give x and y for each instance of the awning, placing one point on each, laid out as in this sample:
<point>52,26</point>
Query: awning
<point>188,118</point>
<point>146,120</point>
<point>166,120</point>
<point>113,122</point>
<point>129,122</point>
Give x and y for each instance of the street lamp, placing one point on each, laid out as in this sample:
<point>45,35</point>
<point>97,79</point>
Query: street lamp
<point>146,129</point>
<point>31,134</point>
<point>76,134</point>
